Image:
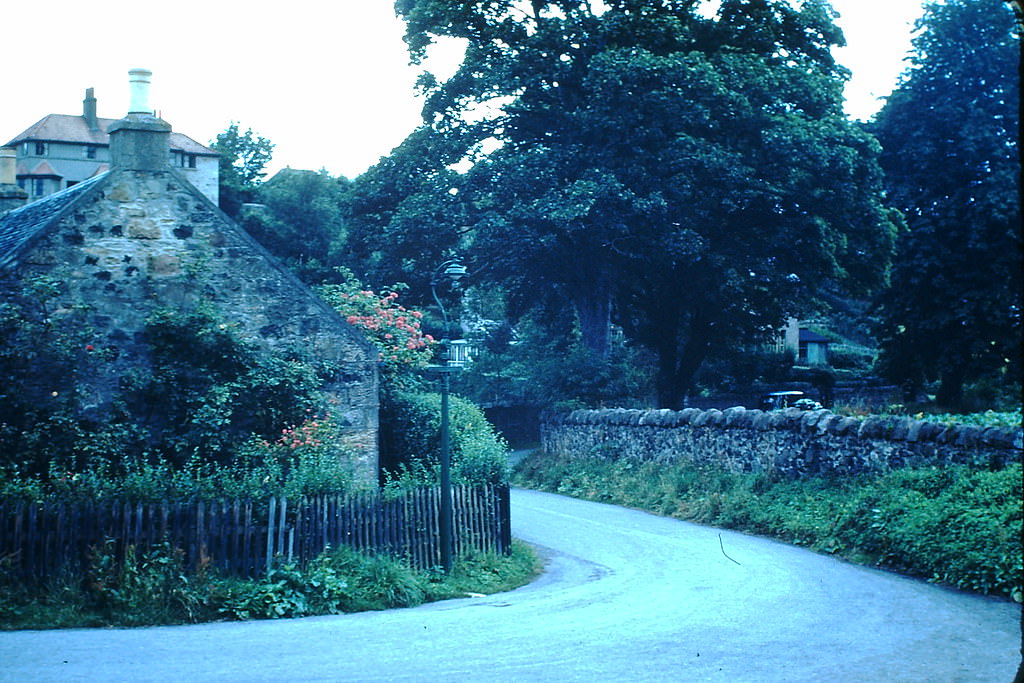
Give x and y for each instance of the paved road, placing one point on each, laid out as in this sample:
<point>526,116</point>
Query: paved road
<point>627,597</point>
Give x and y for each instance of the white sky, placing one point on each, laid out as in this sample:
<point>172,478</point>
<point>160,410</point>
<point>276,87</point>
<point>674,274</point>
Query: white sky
<point>328,82</point>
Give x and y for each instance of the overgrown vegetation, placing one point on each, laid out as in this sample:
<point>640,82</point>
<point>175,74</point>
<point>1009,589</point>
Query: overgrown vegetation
<point>410,413</point>
<point>411,440</point>
<point>195,391</point>
<point>152,588</point>
<point>953,525</point>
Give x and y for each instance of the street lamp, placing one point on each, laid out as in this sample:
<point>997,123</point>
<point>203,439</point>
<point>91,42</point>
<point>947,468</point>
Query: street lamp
<point>453,270</point>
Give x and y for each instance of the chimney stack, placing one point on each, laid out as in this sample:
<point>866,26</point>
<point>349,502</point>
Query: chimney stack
<point>11,196</point>
<point>140,141</point>
<point>89,110</point>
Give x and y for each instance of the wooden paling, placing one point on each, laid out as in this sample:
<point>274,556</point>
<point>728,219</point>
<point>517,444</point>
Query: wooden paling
<point>245,538</point>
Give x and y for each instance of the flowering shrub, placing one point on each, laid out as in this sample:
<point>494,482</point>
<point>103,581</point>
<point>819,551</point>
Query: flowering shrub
<point>392,327</point>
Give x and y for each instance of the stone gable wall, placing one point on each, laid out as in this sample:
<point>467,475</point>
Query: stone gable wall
<point>142,241</point>
<point>791,442</point>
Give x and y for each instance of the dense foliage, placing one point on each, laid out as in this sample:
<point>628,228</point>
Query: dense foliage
<point>624,152</point>
<point>198,394</point>
<point>151,588</point>
<point>410,437</point>
<point>300,219</point>
<point>953,525</point>
<point>950,134</point>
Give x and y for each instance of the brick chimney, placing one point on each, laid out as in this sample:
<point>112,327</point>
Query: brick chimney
<point>11,196</point>
<point>140,141</point>
<point>89,110</point>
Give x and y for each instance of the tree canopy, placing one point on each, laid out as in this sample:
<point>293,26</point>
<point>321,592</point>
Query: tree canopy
<point>301,220</point>
<point>950,134</point>
<point>692,178</point>
<point>243,160</point>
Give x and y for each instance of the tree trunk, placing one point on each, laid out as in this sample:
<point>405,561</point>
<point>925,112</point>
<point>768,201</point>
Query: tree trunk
<point>594,309</point>
<point>951,389</point>
<point>677,369</point>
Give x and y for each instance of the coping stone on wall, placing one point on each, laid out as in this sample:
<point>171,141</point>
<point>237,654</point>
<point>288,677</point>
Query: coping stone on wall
<point>898,428</point>
<point>762,421</point>
<point>871,428</point>
<point>970,435</point>
<point>688,415</point>
<point>735,416</point>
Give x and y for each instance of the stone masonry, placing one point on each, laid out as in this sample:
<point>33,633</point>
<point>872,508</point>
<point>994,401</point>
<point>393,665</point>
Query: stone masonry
<point>790,442</point>
<point>140,238</point>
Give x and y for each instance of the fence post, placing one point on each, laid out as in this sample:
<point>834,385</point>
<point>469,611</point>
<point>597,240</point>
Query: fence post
<point>270,531</point>
<point>505,517</point>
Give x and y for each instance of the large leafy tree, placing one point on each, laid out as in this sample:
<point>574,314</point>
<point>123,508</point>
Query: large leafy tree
<point>302,221</point>
<point>692,178</point>
<point>403,216</point>
<point>243,161</point>
<point>951,158</point>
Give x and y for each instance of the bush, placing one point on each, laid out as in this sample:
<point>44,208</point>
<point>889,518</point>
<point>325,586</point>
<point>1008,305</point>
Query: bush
<point>411,439</point>
<point>956,525</point>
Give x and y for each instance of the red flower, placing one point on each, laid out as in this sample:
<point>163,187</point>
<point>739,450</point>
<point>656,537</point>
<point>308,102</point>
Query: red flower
<point>90,347</point>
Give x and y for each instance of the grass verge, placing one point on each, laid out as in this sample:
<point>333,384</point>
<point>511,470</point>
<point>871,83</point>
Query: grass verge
<point>152,588</point>
<point>955,525</point>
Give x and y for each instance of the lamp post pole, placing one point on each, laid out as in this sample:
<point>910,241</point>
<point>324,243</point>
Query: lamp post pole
<point>454,270</point>
<point>446,478</point>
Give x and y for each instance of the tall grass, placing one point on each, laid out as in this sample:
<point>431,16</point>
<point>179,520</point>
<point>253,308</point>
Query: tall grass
<point>152,588</point>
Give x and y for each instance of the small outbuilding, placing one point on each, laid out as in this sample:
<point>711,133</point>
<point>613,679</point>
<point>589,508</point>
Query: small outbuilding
<point>140,238</point>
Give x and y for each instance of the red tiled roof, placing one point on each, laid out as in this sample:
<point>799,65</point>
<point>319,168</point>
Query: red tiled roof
<point>68,128</point>
<point>44,168</point>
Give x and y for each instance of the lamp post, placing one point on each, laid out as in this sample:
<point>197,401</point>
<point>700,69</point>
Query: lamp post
<point>454,270</point>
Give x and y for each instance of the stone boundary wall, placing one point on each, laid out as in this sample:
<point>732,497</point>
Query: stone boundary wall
<point>791,442</point>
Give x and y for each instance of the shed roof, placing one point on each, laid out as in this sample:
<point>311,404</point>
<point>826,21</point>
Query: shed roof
<point>807,335</point>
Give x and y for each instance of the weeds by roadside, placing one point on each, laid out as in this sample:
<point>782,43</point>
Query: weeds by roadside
<point>152,588</point>
<point>956,525</point>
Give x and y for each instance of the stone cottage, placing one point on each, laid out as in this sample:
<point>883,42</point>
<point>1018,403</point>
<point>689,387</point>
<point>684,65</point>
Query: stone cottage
<point>139,238</point>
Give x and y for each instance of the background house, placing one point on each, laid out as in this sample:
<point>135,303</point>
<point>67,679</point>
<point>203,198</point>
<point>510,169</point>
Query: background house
<point>61,150</point>
<point>140,238</point>
<point>807,346</point>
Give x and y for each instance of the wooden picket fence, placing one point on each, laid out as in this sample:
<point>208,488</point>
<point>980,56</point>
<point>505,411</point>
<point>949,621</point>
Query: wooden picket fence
<point>244,538</point>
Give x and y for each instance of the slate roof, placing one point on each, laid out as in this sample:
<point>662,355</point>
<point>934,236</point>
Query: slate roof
<point>18,227</point>
<point>74,129</point>
<point>807,335</point>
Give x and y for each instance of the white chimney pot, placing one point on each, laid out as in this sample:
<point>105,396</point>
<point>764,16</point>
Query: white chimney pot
<point>138,84</point>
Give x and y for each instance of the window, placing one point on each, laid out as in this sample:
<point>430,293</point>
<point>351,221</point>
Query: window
<point>90,152</point>
<point>41,148</point>
<point>38,187</point>
<point>191,160</point>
